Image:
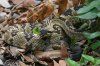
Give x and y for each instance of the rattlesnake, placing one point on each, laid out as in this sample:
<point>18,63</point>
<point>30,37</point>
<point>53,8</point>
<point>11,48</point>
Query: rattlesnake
<point>22,36</point>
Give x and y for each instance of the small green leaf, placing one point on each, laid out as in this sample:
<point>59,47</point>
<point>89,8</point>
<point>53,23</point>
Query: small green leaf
<point>97,61</point>
<point>36,30</point>
<point>91,35</point>
<point>95,45</point>
<point>89,58</point>
<point>72,63</point>
<point>89,15</point>
<point>98,14</point>
<point>88,1</point>
<point>90,6</point>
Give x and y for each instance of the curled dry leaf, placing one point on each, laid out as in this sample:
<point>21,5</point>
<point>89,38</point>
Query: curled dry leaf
<point>82,1</point>
<point>25,3</point>
<point>27,58</point>
<point>40,12</point>
<point>55,63</point>
<point>77,2</point>
<point>22,64</point>
<point>2,50</point>
<point>62,6</point>
<point>15,51</point>
<point>64,52</point>
<point>63,63</point>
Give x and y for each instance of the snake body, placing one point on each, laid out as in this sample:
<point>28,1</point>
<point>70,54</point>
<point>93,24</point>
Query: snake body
<point>21,36</point>
<point>70,32</point>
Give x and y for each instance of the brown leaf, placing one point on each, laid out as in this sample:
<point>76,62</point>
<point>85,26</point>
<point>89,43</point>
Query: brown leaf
<point>40,12</point>
<point>76,2</point>
<point>27,58</point>
<point>25,3</point>
<point>1,9</point>
<point>62,6</point>
<point>55,63</point>
<point>22,64</point>
<point>64,52</point>
<point>82,1</point>
<point>15,51</point>
<point>63,63</point>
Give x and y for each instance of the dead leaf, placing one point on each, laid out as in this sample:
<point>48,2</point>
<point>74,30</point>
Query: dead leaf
<point>25,3</point>
<point>1,8</point>
<point>27,58</point>
<point>22,64</point>
<point>63,63</point>
<point>62,6</point>
<point>76,2</point>
<point>40,12</point>
<point>15,51</point>
<point>82,1</point>
<point>43,63</point>
<point>55,63</point>
<point>5,3</point>
<point>2,50</point>
<point>64,52</point>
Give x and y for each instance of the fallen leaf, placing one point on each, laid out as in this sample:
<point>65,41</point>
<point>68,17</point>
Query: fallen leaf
<point>22,64</point>
<point>82,1</point>
<point>25,3</point>
<point>5,3</point>
<point>27,58</point>
<point>63,63</point>
<point>64,52</point>
<point>76,2</point>
<point>55,63</point>
<point>1,62</point>
<point>1,8</point>
<point>2,50</point>
<point>43,63</point>
<point>15,51</point>
<point>40,12</point>
<point>62,6</point>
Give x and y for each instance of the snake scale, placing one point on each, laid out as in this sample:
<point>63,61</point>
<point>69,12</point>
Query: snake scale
<point>21,36</point>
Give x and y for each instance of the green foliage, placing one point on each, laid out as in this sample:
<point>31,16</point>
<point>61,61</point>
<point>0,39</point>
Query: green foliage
<point>72,63</point>
<point>94,61</point>
<point>91,10</point>
<point>91,35</point>
<point>86,58</point>
<point>89,58</point>
<point>95,45</point>
<point>97,61</point>
<point>36,30</point>
<point>88,15</point>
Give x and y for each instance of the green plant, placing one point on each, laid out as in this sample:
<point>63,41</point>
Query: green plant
<point>36,30</point>
<point>89,37</point>
<point>71,62</point>
<point>90,10</point>
<point>91,59</point>
<point>84,61</point>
